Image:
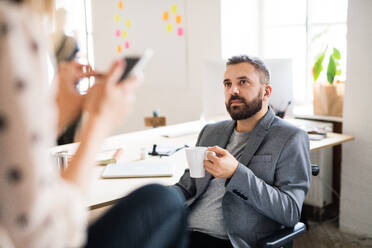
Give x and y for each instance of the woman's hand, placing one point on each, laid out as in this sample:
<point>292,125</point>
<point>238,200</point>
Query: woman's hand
<point>106,104</point>
<point>110,101</point>
<point>69,101</point>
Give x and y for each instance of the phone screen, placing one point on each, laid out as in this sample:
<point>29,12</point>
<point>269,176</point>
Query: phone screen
<point>130,63</point>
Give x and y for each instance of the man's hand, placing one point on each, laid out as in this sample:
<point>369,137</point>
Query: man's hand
<point>221,165</point>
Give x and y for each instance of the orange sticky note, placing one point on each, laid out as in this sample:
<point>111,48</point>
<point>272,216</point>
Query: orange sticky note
<point>124,34</point>
<point>118,49</point>
<point>169,28</point>
<point>120,4</point>
<point>180,31</point>
<point>117,18</point>
<point>127,44</point>
<point>117,33</point>
<point>174,8</point>
<point>178,19</point>
<point>165,16</point>
<point>128,23</point>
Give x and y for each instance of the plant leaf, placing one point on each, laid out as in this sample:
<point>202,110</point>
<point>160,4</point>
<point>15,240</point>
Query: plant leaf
<point>317,69</point>
<point>320,34</point>
<point>331,71</point>
<point>338,72</point>
<point>336,54</point>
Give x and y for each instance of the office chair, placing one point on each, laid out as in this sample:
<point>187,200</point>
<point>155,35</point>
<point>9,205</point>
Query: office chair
<point>285,236</point>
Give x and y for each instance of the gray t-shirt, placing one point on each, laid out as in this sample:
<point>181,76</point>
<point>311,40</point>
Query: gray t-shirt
<point>206,215</point>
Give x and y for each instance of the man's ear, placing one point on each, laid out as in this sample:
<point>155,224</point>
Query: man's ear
<point>268,90</point>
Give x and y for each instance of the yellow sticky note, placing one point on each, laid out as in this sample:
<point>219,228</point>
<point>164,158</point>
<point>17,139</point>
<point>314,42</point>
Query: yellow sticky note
<point>128,23</point>
<point>120,4</point>
<point>174,8</point>
<point>178,19</point>
<point>117,18</point>
<point>165,15</point>
<point>169,27</point>
<point>124,34</point>
<point>118,49</point>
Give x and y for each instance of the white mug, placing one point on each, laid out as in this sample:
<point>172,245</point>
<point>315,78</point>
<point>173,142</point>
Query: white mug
<point>195,158</point>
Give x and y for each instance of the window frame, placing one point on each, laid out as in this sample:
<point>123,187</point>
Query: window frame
<point>309,26</point>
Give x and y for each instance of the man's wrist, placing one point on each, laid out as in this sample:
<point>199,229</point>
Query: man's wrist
<point>234,169</point>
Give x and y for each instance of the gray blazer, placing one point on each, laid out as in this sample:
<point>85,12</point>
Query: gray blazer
<point>269,186</point>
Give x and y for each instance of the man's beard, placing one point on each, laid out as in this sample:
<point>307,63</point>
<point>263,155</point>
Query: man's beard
<point>246,110</point>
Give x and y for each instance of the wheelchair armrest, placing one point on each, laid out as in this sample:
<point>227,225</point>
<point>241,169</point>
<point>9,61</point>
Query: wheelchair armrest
<point>283,236</point>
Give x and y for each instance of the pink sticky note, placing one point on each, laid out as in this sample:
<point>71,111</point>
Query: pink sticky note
<point>117,33</point>
<point>127,44</point>
<point>180,31</point>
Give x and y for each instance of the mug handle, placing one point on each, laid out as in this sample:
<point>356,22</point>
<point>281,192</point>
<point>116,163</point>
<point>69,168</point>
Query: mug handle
<point>206,154</point>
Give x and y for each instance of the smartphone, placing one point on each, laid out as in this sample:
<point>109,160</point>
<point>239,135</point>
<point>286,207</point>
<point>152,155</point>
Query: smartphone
<point>136,63</point>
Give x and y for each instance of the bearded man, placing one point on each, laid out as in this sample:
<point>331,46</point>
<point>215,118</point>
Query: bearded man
<point>257,180</point>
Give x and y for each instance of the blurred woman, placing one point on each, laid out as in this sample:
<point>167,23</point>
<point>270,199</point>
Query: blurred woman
<point>65,47</point>
<point>38,206</point>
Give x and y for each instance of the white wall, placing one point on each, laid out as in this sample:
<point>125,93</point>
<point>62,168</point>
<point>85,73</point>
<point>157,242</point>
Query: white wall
<point>241,27</point>
<point>356,177</point>
<point>180,103</point>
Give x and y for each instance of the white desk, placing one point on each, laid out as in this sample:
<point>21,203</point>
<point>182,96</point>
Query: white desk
<point>307,112</point>
<point>105,192</point>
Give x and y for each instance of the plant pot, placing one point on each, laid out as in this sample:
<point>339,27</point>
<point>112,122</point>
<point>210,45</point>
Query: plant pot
<point>328,98</point>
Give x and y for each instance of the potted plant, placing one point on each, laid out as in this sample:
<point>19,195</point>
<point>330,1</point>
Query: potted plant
<point>328,96</point>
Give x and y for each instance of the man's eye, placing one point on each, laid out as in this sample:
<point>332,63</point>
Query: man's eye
<point>227,84</point>
<point>243,81</point>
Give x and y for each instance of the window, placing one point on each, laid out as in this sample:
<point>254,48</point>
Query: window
<point>296,29</point>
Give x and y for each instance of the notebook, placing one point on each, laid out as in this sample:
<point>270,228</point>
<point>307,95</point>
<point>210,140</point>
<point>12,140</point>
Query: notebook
<point>142,168</point>
<point>106,157</point>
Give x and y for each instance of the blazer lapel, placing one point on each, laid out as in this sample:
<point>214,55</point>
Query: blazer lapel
<point>258,135</point>
<point>252,145</point>
<point>221,136</point>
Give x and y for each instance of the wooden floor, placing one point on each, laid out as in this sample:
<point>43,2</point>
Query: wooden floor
<point>327,235</point>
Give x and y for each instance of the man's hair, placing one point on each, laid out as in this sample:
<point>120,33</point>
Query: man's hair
<point>258,64</point>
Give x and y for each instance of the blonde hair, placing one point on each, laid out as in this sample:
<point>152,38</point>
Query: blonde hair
<point>41,6</point>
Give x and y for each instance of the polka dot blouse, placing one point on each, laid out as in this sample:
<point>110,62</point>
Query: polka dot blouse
<point>37,208</point>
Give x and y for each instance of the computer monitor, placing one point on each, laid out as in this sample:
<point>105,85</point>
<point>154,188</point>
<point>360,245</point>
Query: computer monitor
<point>212,88</point>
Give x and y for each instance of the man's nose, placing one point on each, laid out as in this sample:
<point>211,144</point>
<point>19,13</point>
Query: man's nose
<point>234,90</point>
